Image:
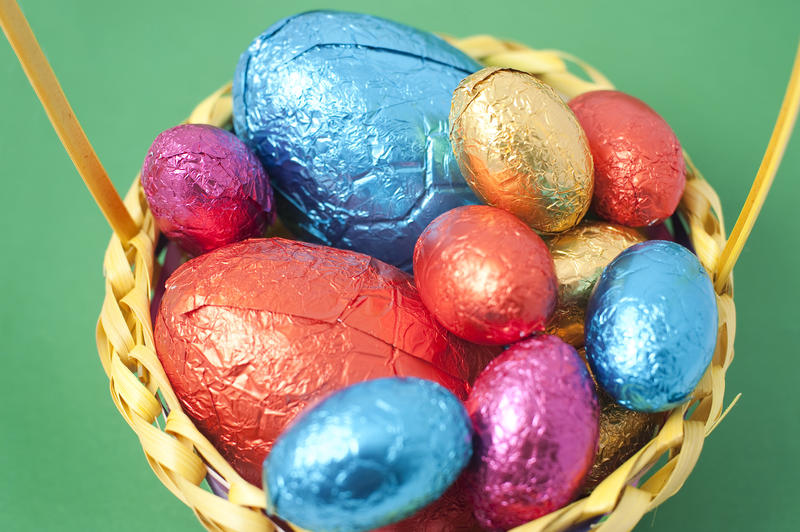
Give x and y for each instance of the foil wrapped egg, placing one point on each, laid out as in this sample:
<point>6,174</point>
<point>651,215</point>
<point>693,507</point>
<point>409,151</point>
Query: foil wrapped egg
<point>639,168</point>
<point>205,189</point>
<point>622,433</point>
<point>252,333</point>
<point>485,275</point>
<point>535,416</point>
<point>580,255</point>
<point>521,149</point>
<point>452,512</point>
<point>348,113</point>
<point>369,455</point>
<point>651,326</point>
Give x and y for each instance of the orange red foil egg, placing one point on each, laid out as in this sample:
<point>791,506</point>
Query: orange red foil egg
<point>252,333</point>
<point>521,149</point>
<point>485,275</point>
<point>639,168</point>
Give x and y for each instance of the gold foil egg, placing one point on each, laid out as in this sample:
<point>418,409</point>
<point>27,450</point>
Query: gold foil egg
<point>580,256</point>
<point>520,148</point>
<point>622,433</point>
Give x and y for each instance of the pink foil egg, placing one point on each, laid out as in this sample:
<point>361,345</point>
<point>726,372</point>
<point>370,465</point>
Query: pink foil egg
<point>205,188</point>
<point>535,416</point>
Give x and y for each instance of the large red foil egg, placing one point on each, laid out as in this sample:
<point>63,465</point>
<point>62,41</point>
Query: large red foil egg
<point>638,162</point>
<point>252,333</point>
<point>485,275</point>
<point>205,188</point>
<point>535,415</point>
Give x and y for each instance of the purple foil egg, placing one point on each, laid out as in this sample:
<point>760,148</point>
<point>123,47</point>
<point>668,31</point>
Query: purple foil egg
<point>535,416</point>
<point>205,188</point>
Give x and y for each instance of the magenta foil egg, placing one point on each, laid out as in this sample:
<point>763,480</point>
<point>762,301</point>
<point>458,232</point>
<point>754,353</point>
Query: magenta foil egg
<point>535,416</point>
<point>205,188</point>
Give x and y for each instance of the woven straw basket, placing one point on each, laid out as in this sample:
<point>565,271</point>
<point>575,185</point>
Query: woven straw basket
<point>181,457</point>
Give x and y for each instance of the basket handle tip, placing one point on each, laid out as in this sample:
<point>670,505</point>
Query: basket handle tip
<point>764,178</point>
<point>63,119</point>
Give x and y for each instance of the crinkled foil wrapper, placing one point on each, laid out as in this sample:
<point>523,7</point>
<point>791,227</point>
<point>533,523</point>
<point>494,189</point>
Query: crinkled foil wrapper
<point>622,433</point>
<point>520,148</point>
<point>368,455</point>
<point>535,416</point>
<point>651,326</point>
<point>639,168</point>
<point>252,333</point>
<point>452,512</point>
<point>348,113</point>
<point>205,189</point>
<point>485,275</point>
<point>580,255</point>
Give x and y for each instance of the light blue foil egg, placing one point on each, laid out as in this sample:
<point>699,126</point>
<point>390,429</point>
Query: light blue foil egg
<point>348,113</point>
<point>369,455</point>
<point>651,326</point>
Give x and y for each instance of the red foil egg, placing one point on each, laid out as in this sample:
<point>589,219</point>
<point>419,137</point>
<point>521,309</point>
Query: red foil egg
<point>205,188</point>
<point>452,512</point>
<point>252,333</point>
<point>535,416</point>
<point>485,275</point>
<point>638,162</point>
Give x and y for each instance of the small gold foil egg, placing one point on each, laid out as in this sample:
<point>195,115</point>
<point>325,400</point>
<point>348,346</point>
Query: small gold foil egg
<point>580,255</point>
<point>622,433</point>
<point>520,148</point>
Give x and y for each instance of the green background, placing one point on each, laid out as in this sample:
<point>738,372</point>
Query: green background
<point>715,70</point>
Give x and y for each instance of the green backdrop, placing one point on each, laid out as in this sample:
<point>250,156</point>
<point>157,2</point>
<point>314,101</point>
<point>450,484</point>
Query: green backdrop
<point>715,70</point>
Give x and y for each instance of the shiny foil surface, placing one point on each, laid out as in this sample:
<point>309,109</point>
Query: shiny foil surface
<point>369,455</point>
<point>485,275</point>
<point>580,255</point>
<point>651,326</point>
<point>452,512</point>
<point>622,433</point>
<point>348,113</point>
<point>639,168</point>
<point>535,416</point>
<point>205,188</point>
<point>252,333</point>
<point>521,149</point>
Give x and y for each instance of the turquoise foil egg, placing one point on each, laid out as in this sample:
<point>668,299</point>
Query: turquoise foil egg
<point>368,455</point>
<point>651,326</point>
<point>349,116</point>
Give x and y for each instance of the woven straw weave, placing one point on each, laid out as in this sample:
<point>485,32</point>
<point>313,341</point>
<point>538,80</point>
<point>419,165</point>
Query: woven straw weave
<point>179,455</point>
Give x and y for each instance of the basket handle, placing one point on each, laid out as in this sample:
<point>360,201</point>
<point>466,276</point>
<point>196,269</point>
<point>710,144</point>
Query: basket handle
<point>60,113</point>
<point>90,168</point>
<point>764,177</point>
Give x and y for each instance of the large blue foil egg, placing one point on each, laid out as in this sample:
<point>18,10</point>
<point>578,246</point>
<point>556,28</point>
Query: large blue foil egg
<point>651,326</point>
<point>368,455</point>
<point>349,116</point>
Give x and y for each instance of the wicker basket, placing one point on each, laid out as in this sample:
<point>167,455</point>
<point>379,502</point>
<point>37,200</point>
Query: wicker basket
<point>182,458</point>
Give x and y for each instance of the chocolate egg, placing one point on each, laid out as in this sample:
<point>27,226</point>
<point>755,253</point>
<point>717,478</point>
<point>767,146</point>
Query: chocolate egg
<point>368,455</point>
<point>252,333</point>
<point>639,168</point>
<point>534,413</point>
<point>348,113</point>
<point>521,149</point>
<point>452,512</point>
<point>651,326</point>
<point>580,255</point>
<point>485,275</point>
<point>204,187</point>
<point>622,433</point>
